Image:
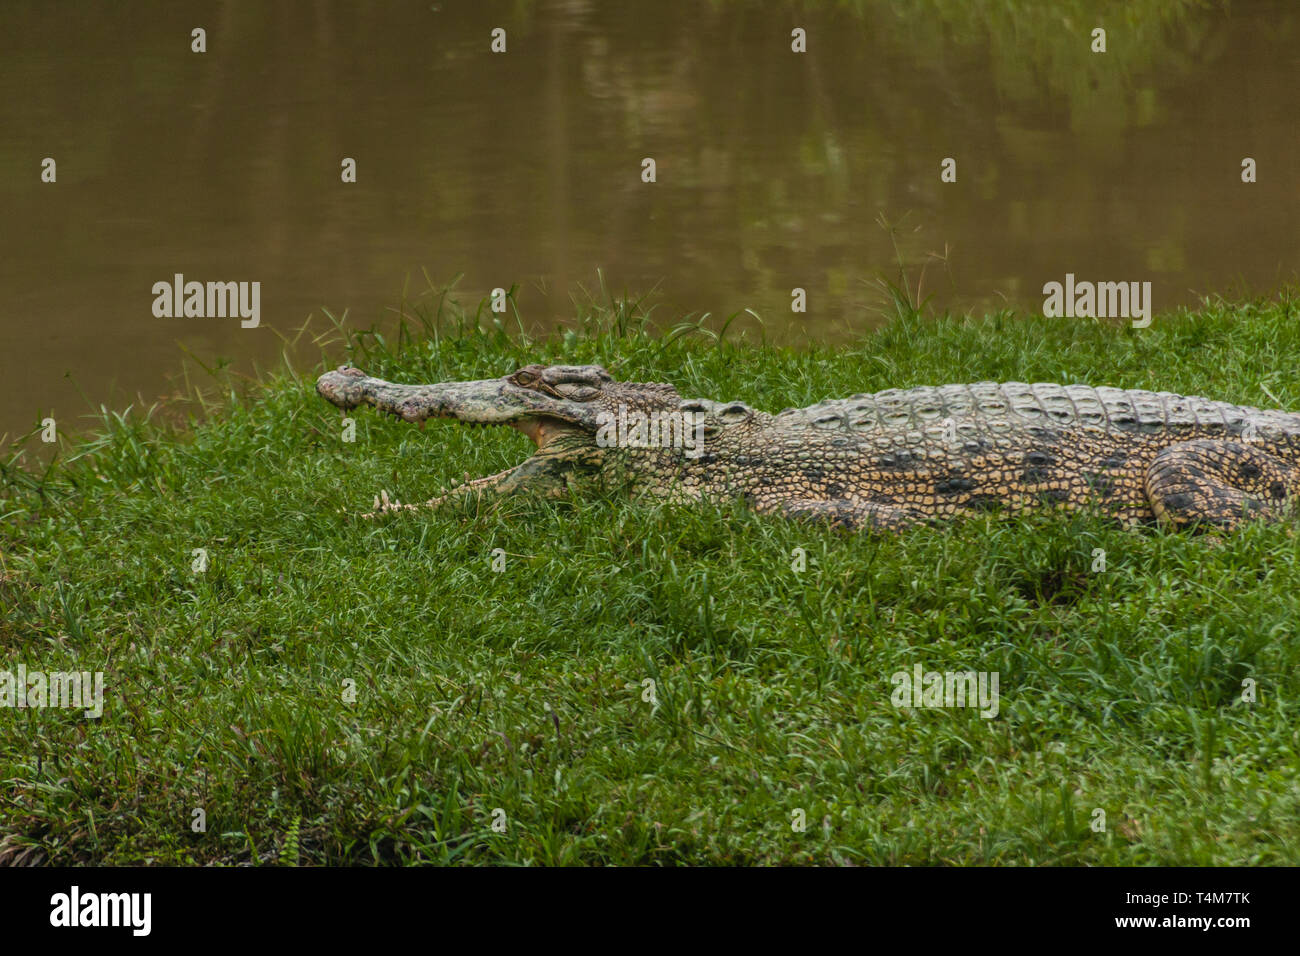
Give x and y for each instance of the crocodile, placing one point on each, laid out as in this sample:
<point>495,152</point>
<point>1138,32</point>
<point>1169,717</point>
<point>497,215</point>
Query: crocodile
<point>882,461</point>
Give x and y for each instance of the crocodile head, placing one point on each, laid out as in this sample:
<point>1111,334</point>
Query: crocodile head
<point>562,408</point>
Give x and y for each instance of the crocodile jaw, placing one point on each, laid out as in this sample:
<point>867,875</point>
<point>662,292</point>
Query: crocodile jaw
<point>484,402</point>
<point>542,430</point>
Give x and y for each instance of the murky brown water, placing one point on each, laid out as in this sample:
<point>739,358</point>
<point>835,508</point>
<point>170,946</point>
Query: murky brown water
<point>772,167</point>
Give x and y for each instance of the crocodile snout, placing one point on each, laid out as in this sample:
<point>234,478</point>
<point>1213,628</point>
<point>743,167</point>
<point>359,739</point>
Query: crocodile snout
<point>341,387</point>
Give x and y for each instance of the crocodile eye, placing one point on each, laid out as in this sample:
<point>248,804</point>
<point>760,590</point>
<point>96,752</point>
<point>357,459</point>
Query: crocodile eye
<point>577,393</point>
<point>523,378</point>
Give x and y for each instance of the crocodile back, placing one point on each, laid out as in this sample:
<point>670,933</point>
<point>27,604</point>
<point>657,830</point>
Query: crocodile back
<point>1044,407</point>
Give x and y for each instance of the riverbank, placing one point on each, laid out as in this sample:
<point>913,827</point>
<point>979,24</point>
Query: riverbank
<point>639,683</point>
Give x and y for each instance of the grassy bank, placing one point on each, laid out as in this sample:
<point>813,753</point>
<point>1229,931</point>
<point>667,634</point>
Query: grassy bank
<point>1121,689</point>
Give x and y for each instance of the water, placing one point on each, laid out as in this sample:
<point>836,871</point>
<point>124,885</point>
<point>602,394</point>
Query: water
<point>775,170</point>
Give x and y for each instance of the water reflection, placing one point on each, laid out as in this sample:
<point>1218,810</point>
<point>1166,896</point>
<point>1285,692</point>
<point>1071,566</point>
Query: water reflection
<point>774,168</point>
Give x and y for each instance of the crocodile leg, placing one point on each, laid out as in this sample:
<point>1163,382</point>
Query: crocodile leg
<point>1219,483</point>
<point>853,515</point>
<point>539,474</point>
<point>501,482</point>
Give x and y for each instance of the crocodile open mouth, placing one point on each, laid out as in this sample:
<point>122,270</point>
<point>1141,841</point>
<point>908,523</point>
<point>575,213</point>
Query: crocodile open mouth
<point>542,430</point>
<point>559,426</point>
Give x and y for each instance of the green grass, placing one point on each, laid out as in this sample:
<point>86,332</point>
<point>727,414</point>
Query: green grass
<point>1121,690</point>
